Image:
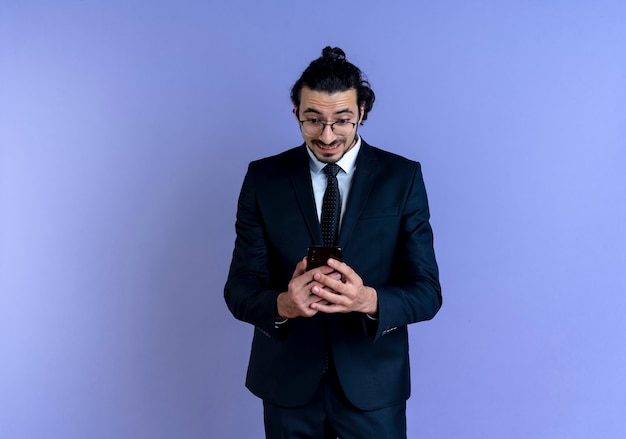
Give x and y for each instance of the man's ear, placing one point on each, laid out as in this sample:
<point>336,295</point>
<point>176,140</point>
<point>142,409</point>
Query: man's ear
<point>295,113</point>
<point>361,113</point>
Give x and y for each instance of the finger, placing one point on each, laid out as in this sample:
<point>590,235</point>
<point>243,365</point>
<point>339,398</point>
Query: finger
<point>329,308</point>
<point>339,265</point>
<point>331,282</point>
<point>318,301</point>
<point>324,269</point>
<point>342,268</point>
<point>329,296</point>
<point>300,268</point>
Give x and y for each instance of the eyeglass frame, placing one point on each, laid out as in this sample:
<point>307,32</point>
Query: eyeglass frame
<point>324,124</point>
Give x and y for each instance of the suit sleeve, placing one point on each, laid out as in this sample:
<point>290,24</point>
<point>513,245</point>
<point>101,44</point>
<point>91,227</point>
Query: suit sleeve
<point>415,293</point>
<point>246,292</point>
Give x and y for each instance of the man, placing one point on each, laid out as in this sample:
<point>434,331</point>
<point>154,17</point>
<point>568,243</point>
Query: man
<point>330,350</point>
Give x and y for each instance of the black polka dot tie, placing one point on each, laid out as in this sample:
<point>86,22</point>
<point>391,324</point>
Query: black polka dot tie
<point>331,205</point>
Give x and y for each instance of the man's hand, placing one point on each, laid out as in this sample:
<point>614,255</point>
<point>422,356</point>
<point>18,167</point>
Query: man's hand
<point>342,294</point>
<point>298,300</point>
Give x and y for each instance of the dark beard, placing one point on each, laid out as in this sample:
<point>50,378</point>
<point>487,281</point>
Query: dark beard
<point>334,143</point>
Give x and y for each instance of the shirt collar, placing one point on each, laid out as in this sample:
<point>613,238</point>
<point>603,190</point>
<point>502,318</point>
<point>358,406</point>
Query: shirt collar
<point>347,163</point>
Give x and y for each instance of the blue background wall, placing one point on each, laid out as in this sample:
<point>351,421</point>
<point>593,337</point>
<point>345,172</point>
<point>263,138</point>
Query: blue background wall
<point>125,131</point>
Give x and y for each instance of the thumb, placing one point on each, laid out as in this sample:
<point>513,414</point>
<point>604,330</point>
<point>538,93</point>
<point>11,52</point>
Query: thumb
<point>300,268</point>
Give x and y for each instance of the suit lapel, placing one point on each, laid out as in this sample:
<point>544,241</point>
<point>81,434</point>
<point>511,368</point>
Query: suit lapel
<point>301,180</point>
<point>365,173</point>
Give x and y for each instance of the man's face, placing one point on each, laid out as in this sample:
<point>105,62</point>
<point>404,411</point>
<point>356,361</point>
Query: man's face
<point>329,146</point>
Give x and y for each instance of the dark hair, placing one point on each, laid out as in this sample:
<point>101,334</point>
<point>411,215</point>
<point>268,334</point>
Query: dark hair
<point>332,73</point>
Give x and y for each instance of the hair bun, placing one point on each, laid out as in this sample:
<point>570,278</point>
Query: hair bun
<point>334,53</point>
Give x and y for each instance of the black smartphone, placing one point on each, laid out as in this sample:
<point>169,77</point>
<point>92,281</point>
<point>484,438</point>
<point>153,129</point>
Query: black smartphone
<point>317,255</point>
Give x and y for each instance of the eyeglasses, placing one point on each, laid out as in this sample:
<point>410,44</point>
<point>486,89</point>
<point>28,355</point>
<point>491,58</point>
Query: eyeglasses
<point>315,127</point>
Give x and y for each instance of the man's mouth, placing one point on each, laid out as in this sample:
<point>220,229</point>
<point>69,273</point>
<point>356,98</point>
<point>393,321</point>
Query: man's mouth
<point>333,145</point>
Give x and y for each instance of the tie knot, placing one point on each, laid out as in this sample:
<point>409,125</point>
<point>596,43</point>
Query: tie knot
<point>331,169</point>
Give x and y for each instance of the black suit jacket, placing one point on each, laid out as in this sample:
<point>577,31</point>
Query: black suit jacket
<point>386,238</point>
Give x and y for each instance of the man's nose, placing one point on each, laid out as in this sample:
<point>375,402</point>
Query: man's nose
<point>328,135</point>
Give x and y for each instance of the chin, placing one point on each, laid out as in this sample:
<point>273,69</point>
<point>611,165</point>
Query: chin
<point>329,158</point>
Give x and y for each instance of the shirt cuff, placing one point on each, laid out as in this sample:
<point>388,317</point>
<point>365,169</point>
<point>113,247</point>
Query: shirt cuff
<point>278,324</point>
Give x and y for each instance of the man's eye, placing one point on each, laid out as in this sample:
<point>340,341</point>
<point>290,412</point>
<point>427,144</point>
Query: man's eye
<point>316,121</point>
<point>343,121</point>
